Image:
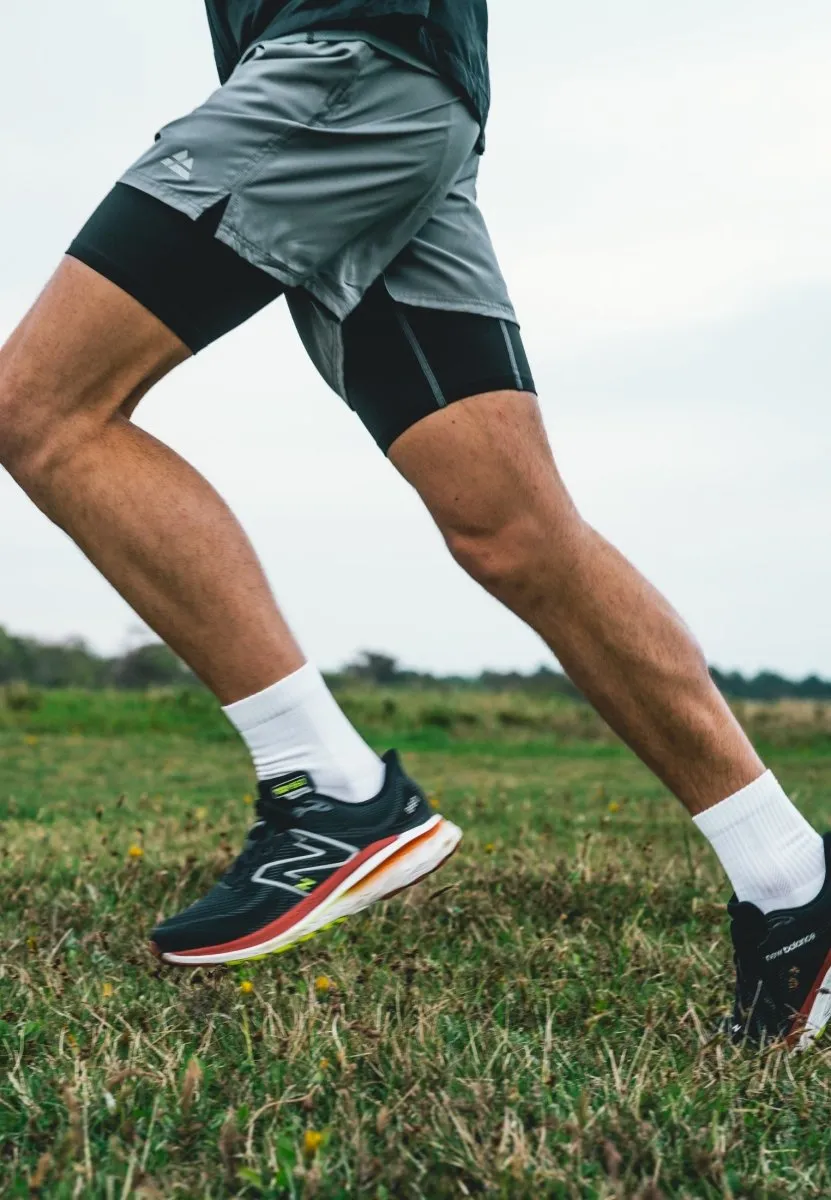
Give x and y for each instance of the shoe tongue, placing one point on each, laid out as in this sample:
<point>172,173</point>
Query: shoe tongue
<point>291,797</point>
<point>286,790</point>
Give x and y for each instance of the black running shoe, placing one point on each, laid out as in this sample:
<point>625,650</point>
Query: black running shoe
<point>310,862</point>
<point>783,970</point>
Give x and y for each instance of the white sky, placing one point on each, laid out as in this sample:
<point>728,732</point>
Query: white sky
<point>658,182</point>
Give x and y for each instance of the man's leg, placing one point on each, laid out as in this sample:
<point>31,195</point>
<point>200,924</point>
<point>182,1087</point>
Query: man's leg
<point>486,473</point>
<point>69,377</point>
<point>77,364</point>
<point>481,461</point>
<point>485,470</point>
<point>448,394</point>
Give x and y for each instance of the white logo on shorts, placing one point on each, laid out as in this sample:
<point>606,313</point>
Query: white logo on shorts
<point>180,164</point>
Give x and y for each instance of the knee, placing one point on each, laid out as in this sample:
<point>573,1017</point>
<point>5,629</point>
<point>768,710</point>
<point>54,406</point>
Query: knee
<point>38,431</point>
<point>505,554</point>
<point>19,434</point>
<point>28,446</point>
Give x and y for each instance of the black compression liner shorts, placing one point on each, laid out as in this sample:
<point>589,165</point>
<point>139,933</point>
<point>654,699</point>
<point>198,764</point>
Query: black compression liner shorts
<point>400,362</point>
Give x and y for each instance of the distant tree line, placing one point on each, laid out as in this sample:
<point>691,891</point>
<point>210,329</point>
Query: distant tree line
<point>372,667</point>
<point>377,668</point>
<point>73,663</point>
<point>769,686</point>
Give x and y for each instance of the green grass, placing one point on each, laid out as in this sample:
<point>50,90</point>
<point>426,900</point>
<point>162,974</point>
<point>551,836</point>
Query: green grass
<point>417,718</point>
<point>535,1021</point>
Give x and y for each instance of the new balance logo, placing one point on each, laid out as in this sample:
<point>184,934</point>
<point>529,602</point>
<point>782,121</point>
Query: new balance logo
<point>411,805</point>
<point>180,164</point>
<point>812,937</point>
<point>309,847</point>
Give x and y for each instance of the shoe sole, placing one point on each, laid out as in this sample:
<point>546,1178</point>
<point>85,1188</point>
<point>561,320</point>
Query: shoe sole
<point>383,870</point>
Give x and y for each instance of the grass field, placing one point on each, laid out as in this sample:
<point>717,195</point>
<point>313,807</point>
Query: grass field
<point>535,1021</point>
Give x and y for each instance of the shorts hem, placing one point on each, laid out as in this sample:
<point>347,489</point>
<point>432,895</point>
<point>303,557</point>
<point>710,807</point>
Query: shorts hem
<point>235,241</point>
<point>492,383</point>
<point>168,195</point>
<point>478,308</point>
<point>478,387</point>
<point>341,303</point>
<point>226,234</point>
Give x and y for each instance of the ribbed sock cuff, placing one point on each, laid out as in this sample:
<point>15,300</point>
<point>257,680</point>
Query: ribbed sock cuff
<point>276,700</point>
<point>772,856</point>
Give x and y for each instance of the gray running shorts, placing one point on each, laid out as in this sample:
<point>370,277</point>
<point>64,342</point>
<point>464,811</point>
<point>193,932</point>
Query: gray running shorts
<point>329,170</point>
<point>338,164</point>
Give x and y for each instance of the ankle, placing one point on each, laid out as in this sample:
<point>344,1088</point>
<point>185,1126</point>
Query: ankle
<point>773,857</point>
<point>296,726</point>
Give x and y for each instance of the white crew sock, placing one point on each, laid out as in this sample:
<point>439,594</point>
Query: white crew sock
<point>773,857</point>
<point>296,725</point>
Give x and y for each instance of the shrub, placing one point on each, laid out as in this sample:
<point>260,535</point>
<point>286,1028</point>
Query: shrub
<point>21,697</point>
<point>438,716</point>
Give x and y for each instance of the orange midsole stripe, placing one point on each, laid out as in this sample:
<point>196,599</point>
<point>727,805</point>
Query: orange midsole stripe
<point>385,866</point>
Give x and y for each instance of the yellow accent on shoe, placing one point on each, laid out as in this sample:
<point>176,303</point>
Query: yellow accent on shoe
<point>305,937</point>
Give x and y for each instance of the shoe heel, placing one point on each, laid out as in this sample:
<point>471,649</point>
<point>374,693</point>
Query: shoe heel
<point>409,865</point>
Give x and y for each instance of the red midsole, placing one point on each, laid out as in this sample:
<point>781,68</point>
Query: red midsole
<point>801,1018</point>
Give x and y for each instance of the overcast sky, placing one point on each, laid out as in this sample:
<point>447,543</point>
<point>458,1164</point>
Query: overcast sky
<point>658,181</point>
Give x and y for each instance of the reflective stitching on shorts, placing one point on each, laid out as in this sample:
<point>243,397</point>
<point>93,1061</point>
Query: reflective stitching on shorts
<point>409,334</point>
<point>509,346</point>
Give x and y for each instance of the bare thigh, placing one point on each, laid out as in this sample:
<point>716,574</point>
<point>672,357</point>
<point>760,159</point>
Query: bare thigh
<point>86,352</point>
<point>482,465</point>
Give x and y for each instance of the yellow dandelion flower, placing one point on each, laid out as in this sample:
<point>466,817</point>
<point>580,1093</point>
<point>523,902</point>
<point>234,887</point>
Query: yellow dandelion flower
<point>135,852</point>
<point>201,813</point>
<point>107,990</point>
<point>323,984</point>
<point>324,1064</point>
<point>434,802</point>
<point>312,1141</point>
<point>30,740</point>
<point>614,807</point>
<point>246,987</point>
<point>248,798</point>
<point>489,848</point>
<point>32,943</point>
